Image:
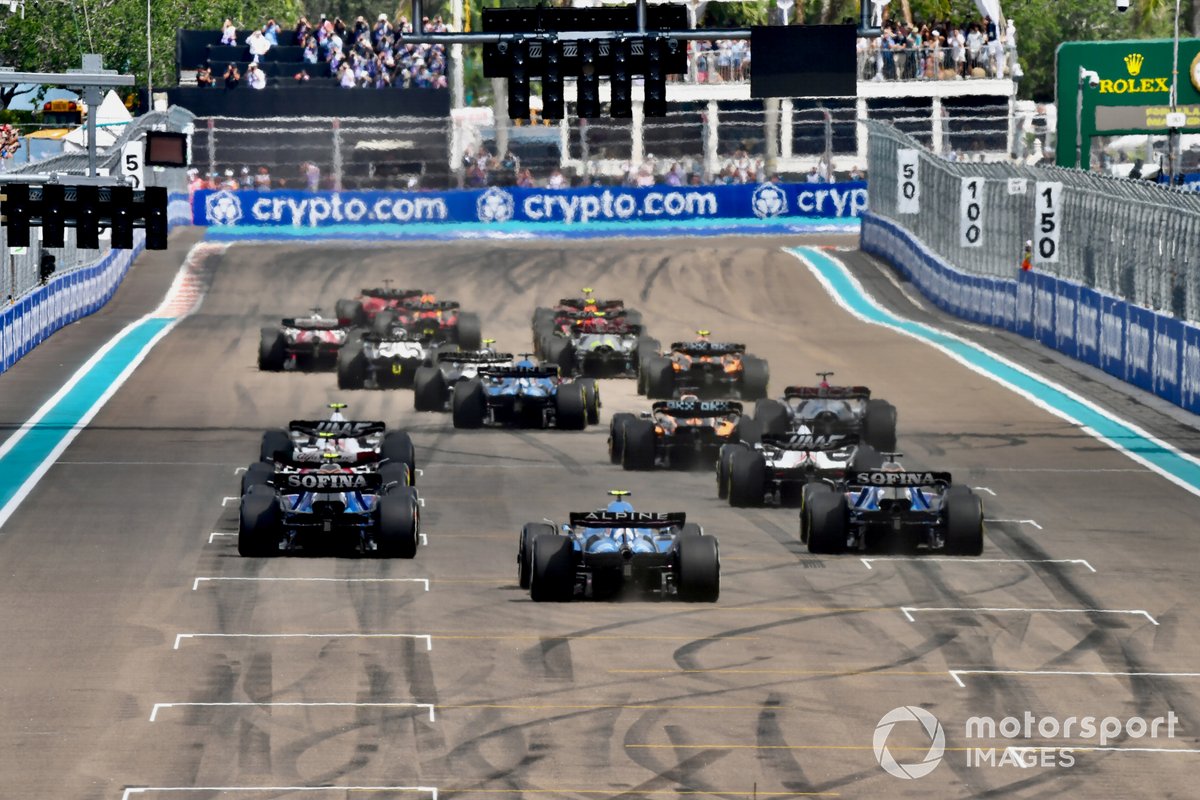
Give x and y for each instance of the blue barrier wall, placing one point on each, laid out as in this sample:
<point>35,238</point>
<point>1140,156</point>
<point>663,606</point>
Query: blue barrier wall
<point>69,296</point>
<point>1148,349</point>
<point>499,205</point>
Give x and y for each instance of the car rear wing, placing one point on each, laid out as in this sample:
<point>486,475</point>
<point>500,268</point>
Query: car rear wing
<point>627,519</point>
<point>437,305</point>
<point>615,327</point>
<point>392,294</point>
<point>311,480</point>
<point>881,478</point>
<point>468,357</point>
<point>697,408</point>
<point>580,302</point>
<point>350,429</point>
<point>707,348</point>
<point>810,442</point>
<point>827,393</point>
<point>309,324</point>
<point>519,372</point>
<point>395,335</point>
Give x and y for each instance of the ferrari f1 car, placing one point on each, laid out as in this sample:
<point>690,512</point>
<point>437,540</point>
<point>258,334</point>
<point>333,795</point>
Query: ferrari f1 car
<point>892,510</point>
<point>777,468</point>
<point>710,369</point>
<point>376,361</point>
<point>434,384</point>
<point>598,553</point>
<point>525,395</point>
<point>676,433</point>
<point>361,311</point>
<point>827,410</point>
<point>309,342</point>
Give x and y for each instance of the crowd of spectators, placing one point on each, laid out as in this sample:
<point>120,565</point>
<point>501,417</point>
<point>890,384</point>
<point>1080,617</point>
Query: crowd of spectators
<point>939,51</point>
<point>722,61</point>
<point>10,143</point>
<point>359,55</point>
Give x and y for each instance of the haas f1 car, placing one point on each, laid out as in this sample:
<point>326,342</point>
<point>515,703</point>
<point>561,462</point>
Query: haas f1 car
<point>891,510</point>
<point>524,395</point>
<point>709,369</point>
<point>777,468</point>
<point>598,553</point>
<point>309,342</point>
<point>830,410</point>
<point>676,433</point>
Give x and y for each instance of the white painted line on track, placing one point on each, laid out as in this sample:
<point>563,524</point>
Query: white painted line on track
<point>240,470</point>
<point>428,706</point>
<point>215,534</point>
<point>957,674</point>
<point>909,610</point>
<point>431,790</point>
<point>985,489</point>
<point>1018,522</point>
<point>179,637</point>
<point>225,500</point>
<point>196,582</point>
<point>424,541</point>
<point>867,560</point>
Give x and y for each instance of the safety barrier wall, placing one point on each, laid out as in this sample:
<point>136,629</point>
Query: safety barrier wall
<point>1148,349</point>
<point>70,296</point>
<point>293,209</point>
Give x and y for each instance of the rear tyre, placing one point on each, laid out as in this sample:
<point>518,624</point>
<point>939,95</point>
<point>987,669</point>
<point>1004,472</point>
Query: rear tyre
<point>724,459</point>
<point>561,353</point>
<point>552,579</point>
<point>271,352</point>
<point>879,425</point>
<point>772,417</point>
<point>964,522</point>
<point>591,399</point>
<point>399,523</point>
<point>827,522</point>
<point>393,472</point>
<point>748,431</point>
<point>398,448</point>
<point>258,525</point>
<point>570,407</point>
<point>531,531</point>
<point>351,310</point>
<point>429,389</point>
<point>616,436</point>
<point>467,406</point>
<point>382,324</point>
<point>865,458</point>
<point>660,378</point>
<point>633,316</point>
<point>747,478</point>
<point>699,564</point>
<point>274,441</point>
<point>470,331</point>
<point>646,346</point>
<point>351,366</point>
<point>807,494</point>
<point>640,445</point>
<point>755,376</point>
<point>257,474</point>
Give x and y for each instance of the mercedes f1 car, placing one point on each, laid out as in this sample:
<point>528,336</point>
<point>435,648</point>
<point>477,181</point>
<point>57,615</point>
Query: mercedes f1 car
<point>309,342</point>
<point>598,553</point>
<point>892,510</point>
<point>434,384</point>
<point>777,468</point>
<point>376,361</point>
<point>828,410</point>
<point>524,395</point>
<point>676,433</point>
<point>709,369</point>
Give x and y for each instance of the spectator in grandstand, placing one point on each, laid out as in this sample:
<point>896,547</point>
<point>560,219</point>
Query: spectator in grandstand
<point>258,45</point>
<point>228,33</point>
<point>814,176</point>
<point>674,176</point>
<point>345,76</point>
<point>262,181</point>
<point>302,76</point>
<point>556,179</point>
<point>312,176</point>
<point>229,182</point>
<point>311,55</point>
<point>382,32</point>
<point>204,78</point>
<point>303,31</point>
<point>855,173</point>
<point>525,179</point>
<point>256,77</point>
<point>232,76</point>
<point>271,31</point>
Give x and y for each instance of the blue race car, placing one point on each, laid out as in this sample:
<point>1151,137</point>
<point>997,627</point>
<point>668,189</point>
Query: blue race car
<point>525,395</point>
<point>889,509</point>
<point>599,552</point>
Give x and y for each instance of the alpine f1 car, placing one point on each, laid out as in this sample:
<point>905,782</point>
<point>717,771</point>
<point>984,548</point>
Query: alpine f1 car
<point>892,510</point>
<point>376,361</point>
<point>676,433</point>
<point>309,342</point>
<point>777,468</point>
<point>829,410</point>
<point>433,385</point>
<point>598,346</point>
<point>361,311</point>
<point>524,395</point>
<point>703,367</point>
<point>598,553</point>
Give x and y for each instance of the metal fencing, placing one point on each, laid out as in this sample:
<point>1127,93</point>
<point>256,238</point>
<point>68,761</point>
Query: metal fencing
<point>1133,240</point>
<point>19,271</point>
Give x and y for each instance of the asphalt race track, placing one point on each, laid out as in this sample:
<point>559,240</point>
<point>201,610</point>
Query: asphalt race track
<point>137,649</point>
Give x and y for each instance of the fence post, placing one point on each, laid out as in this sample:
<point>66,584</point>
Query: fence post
<point>212,146</point>
<point>337,154</point>
<point>771,135</point>
<point>785,128</point>
<point>637,149</point>
<point>860,129</point>
<point>710,141</point>
<point>936,119</point>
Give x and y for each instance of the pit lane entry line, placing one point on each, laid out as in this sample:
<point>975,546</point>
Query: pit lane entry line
<point>179,637</point>
<point>910,610</point>
<point>957,674</point>
<point>430,790</point>
<point>866,560</point>
<point>428,706</point>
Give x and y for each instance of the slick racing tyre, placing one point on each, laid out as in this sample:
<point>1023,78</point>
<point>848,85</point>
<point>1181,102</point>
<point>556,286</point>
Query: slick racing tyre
<point>807,494</point>
<point>747,431</point>
<point>552,579</point>
<point>531,531</point>
<point>772,417</point>
<point>724,460</point>
<point>275,441</point>
<point>257,474</point>
<point>747,478</point>
<point>865,458</point>
<point>271,350</point>
<point>570,407</point>
<point>591,399</point>
<point>827,522</point>
<point>382,324</point>
<point>396,473</point>
<point>467,405</point>
<point>640,445</point>
<point>399,523</point>
<point>616,436</point>
<point>699,563</point>
<point>633,316</point>
<point>398,448</point>
<point>964,522</point>
<point>352,311</point>
<point>879,426</point>
<point>755,376</point>
<point>560,352</point>
<point>429,389</point>
<point>660,378</point>
<point>351,366</point>
<point>470,331</point>
<point>258,525</point>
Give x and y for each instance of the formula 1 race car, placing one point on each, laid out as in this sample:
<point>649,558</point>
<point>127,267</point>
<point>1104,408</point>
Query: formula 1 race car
<point>598,346</point>
<point>570,311</point>
<point>827,410</point>
<point>361,311</point>
<point>376,361</point>
<point>676,433</point>
<point>334,504</point>
<point>526,395</point>
<point>598,553</point>
<point>433,385</point>
<point>779,467</point>
<point>309,342</point>
<point>710,369</point>
<point>892,510</point>
<point>432,321</point>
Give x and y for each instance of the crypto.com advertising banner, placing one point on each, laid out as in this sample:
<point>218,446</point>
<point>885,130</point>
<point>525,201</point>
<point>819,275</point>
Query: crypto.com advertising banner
<point>498,205</point>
